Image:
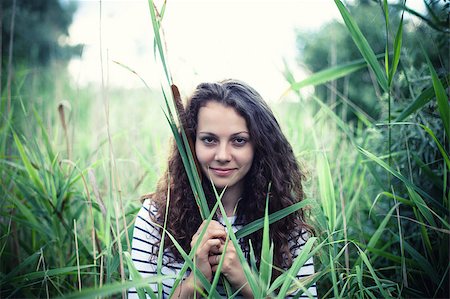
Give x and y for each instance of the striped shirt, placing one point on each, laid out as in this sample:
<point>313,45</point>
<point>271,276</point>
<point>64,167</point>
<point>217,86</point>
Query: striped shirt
<point>146,237</point>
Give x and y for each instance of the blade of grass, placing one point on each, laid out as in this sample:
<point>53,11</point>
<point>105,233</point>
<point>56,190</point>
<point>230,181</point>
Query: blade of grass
<point>259,223</point>
<point>441,97</point>
<point>363,46</point>
<point>397,50</point>
<point>156,30</point>
<point>326,190</point>
<point>188,161</point>
<point>49,273</point>
<point>386,22</point>
<point>251,279</point>
<point>200,199</point>
<point>330,74</point>
<point>188,264</point>
<point>304,255</point>
<point>219,267</point>
<point>407,182</point>
<point>265,269</point>
<point>421,100</point>
<point>113,288</point>
<point>188,261</point>
<point>380,230</point>
<point>135,275</point>
<point>33,174</point>
<point>374,276</point>
<point>422,206</point>
<point>422,262</point>
<point>26,264</point>
<point>163,236</point>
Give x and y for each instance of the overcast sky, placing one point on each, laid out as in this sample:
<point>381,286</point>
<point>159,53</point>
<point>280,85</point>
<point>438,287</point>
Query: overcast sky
<point>207,40</point>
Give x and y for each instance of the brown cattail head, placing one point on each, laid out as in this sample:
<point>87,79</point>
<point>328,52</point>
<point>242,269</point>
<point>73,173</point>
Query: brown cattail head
<point>182,119</point>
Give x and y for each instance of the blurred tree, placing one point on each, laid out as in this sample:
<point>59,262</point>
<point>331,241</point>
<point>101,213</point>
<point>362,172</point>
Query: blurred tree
<point>40,31</point>
<point>332,45</point>
<point>408,150</point>
<point>34,47</point>
<point>34,52</point>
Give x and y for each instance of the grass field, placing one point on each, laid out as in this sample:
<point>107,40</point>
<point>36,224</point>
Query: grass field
<point>72,173</point>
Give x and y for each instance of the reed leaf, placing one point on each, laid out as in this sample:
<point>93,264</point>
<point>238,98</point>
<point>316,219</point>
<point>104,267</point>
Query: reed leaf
<point>422,206</point>
<point>156,30</point>
<point>380,230</point>
<point>188,261</point>
<point>407,182</point>
<point>304,255</point>
<point>159,262</point>
<point>32,173</point>
<point>49,273</point>
<point>363,46</point>
<point>439,145</point>
<point>28,218</point>
<point>259,223</point>
<point>113,288</point>
<point>386,22</point>
<point>349,208</point>
<point>265,270</point>
<point>344,127</point>
<point>330,74</point>
<point>424,232</point>
<point>26,264</point>
<point>366,261</point>
<point>195,185</point>
<point>188,258</point>
<point>421,100</point>
<point>441,97</point>
<point>326,190</point>
<point>217,275</point>
<point>422,262</point>
<point>397,51</point>
<point>46,140</point>
<point>251,279</point>
<point>333,271</point>
<point>135,275</point>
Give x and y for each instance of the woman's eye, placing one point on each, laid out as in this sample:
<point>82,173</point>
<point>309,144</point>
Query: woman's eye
<point>240,141</point>
<point>208,140</point>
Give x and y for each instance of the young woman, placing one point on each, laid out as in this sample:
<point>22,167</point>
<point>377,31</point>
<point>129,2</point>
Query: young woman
<point>239,146</point>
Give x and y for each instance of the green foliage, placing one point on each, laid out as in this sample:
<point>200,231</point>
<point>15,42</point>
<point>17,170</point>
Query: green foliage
<point>41,23</point>
<point>380,213</point>
<point>332,46</point>
<point>417,209</point>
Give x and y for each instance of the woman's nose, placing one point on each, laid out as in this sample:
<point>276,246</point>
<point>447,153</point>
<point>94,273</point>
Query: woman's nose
<point>223,153</point>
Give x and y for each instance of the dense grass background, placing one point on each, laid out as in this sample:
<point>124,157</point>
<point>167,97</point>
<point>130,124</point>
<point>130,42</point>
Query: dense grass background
<point>74,162</point>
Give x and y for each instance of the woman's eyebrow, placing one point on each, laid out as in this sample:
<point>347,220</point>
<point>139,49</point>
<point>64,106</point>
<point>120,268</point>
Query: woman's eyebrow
<point>212,134</point>
<point>207,133</point>
<point>241,132</point>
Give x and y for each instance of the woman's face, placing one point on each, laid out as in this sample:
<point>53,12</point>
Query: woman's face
<point>223,146</point>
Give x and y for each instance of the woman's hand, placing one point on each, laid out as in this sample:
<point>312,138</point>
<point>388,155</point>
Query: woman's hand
<point>212,240</point>
<point>231,267</point>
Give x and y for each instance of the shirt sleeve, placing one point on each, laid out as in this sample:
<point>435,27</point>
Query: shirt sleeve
<point>297,244</point>
<point>146,236</point>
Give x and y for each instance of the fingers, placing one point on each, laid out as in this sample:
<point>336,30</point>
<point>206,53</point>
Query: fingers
<point>214,259</point>
<point>202,254</point>
<point>217,249</point>
<point>215,230</point>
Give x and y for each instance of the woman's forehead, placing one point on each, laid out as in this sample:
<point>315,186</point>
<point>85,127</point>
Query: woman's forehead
<point>218,115</point>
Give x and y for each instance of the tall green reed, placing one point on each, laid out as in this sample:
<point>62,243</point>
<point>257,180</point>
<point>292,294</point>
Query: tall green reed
<point>409,207</point>
<point>373,240</point>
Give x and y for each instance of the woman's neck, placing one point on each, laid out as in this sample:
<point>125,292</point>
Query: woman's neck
<point>231,198</point>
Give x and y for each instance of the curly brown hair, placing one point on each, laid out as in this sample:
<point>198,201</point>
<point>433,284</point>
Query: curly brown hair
<point>274,162</point>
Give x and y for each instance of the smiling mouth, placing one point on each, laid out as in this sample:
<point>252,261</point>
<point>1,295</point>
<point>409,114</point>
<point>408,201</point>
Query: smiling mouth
<point>223,172</point>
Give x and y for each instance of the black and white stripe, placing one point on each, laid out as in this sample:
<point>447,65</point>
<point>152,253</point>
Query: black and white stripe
<point>146,238</point>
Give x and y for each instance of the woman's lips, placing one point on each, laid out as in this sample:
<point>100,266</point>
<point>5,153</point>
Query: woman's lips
<point>223,172</point>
